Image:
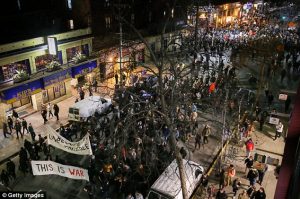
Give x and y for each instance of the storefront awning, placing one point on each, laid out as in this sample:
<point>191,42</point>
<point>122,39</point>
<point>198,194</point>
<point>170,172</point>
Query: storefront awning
<point>22,91</point>
<point>84,68</point>
<point>57,77</point>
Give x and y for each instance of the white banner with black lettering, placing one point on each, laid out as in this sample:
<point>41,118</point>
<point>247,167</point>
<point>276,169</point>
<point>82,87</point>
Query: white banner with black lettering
<point>82,147</point>
<point>53,168</point>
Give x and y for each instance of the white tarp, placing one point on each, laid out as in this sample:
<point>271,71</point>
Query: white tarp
<point>82,147</point>
<point>53,168</point>
<point>90,105</point>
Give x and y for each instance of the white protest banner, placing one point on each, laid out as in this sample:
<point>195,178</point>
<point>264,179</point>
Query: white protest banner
<point>82,147</point>
<point>52,168</point>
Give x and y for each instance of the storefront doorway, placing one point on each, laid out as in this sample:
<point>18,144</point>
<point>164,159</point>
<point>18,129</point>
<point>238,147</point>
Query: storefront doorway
<point>22,102</point>
<point>58,90</point>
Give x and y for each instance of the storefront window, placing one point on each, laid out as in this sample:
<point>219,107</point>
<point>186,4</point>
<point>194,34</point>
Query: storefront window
<point>43,60</point>
<point>7,71</point>
<point>71,52</point>
<point>58,90</point>
<point>22,102</point>
<point>140,56</point>
<point>85,49</point>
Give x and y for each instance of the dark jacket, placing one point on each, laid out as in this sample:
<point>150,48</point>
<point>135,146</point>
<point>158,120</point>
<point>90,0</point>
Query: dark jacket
<point>11,167</point>
<point>24,123</point>
<point>56,109</point>
<point>252,174</point>
<point>259,195</point>
<point>249,162</point>
<point>10,121</point>
<point>15,114</point>
<point>221,195</point>
<point>18,126</point>
<point>30,129</point>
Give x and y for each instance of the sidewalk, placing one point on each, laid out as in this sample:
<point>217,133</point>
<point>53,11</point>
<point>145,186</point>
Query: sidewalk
<point>264,143</point>
<point>11,146</point>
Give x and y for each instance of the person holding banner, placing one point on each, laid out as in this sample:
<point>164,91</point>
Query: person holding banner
<point>53,168</point>
<point>23,159</point>
<point>90,189</point>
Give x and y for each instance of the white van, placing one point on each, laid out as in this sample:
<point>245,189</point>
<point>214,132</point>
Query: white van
<point>83,109</point>
<point>168,185</point>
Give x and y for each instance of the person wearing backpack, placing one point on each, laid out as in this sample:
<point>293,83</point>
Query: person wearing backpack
<point>249,163</point>
<point>252,175</point>
<point>260,194</point>
<point>235,186</point>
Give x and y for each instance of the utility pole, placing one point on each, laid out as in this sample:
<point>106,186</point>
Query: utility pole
<point>195,53</point>
<point>224,127</point>
<point>240,105</point>
<point>261,80</point>
<point>121,43</point>
<point>196,24</point>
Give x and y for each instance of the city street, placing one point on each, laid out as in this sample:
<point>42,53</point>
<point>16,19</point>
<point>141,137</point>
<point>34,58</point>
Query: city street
<point>264,145</point>
<point>138,85</point>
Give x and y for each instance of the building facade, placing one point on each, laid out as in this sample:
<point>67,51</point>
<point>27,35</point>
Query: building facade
<point>21,20</point>
<point>32,57</point>
<point>148,15</point>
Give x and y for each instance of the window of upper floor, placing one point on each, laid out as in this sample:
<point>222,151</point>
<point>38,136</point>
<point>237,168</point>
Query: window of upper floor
<point>69,4</point>
<point>107,3</point>
<point>132,18</point>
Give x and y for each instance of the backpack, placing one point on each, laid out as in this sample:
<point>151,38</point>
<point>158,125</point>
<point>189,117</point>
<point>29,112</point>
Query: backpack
<point>252,174</point>
<point>248,163</point>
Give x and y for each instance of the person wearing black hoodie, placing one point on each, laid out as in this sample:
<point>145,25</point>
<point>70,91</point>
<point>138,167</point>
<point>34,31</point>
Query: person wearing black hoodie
<point>260,194</point>
<point>221,194</point>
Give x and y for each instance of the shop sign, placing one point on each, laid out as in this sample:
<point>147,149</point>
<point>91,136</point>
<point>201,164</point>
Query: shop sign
<point>283,97</point>
<point>20,92</point>
<point>57,77</point>
<point>24,94</point>
<point>84,69</point>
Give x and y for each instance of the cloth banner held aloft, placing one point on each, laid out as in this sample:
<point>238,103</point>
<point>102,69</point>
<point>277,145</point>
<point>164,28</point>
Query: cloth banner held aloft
<point>82,147</point>
<point>53,168</point>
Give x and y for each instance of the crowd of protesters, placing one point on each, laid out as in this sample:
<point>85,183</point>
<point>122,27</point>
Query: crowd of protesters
<point>126,164</point>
